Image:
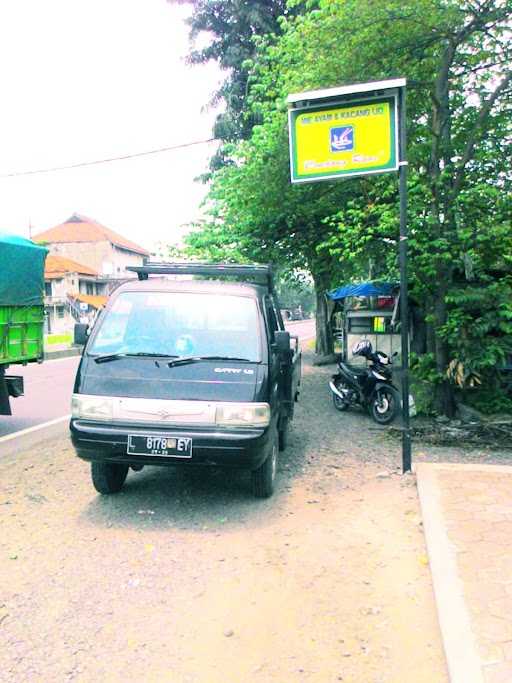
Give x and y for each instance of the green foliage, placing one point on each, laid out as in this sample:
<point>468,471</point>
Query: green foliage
<point>423,367</point>
<point>479,327</point>
<point>421,389</point>
<point>490,400</point>
<point>295,291</point>
<point>456,58</point>
<point>230,28</point>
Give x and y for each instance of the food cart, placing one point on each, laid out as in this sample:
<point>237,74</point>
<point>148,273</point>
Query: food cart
<point>367,310</point>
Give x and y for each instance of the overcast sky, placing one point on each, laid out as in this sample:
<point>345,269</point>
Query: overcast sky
<point>90,79</point>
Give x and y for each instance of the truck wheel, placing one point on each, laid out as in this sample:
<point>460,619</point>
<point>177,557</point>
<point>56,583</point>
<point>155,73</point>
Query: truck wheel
<point>108,477</point>
<point>283,434</point>
<point>263,479</point>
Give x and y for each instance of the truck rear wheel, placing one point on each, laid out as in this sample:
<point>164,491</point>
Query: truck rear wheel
<point>263,479</point>
<point>108,477</point>
<point>283,434</point>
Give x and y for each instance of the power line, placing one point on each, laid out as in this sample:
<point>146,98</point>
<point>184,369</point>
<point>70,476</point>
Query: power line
<point>107,161</point>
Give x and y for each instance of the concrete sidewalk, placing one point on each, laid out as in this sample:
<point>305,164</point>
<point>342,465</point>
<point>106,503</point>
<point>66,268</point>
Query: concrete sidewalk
<point>61,351</point>
<point>467,517</point>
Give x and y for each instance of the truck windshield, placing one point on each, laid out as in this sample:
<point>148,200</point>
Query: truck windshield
<point>180,324</point>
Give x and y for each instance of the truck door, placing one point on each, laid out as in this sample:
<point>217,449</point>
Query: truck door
<point>275,373</point>
<point>290,368</point>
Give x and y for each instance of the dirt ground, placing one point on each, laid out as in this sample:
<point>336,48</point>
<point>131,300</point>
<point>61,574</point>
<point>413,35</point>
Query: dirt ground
<point>184,577</point>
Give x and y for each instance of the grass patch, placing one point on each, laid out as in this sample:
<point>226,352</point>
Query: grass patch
<point>58,339</point>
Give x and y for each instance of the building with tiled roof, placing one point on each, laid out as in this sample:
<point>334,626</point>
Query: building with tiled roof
<point>58,266</point>
<point>86,241</point>
<point>72,291</point>
<point>86,262</point>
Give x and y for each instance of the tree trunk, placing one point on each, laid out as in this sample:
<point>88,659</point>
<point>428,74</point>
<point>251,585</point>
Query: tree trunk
<point>419,338</point>
<point>444,398</point>
<point>324,341</point>
<point>431,338</point>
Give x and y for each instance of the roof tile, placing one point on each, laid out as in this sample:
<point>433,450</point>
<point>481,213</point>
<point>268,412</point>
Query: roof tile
<point>57,266</point>
<point>93,300</point>
<point>83,229</point>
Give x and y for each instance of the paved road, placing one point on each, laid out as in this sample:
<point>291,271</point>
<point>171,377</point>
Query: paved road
<point>48,389</point>
<point>304,328</point>
<point>184,577</point>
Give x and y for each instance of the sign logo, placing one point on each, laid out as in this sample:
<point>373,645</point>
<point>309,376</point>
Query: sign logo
<point>342,139</point>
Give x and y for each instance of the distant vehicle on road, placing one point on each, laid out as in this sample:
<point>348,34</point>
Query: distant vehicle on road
<point>186,372</point>
<point>21,311</point>
<point>292,314</point>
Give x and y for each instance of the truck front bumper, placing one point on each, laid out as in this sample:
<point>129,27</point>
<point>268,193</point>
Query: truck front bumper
<point>241,449</point>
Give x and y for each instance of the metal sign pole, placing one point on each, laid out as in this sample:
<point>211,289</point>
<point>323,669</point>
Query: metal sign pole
<point>349,131</point>
<point>404,303</point>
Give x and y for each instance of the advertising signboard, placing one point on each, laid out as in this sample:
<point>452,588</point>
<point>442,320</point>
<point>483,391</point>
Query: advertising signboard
<point>343,139</point>
<point>354,130</point>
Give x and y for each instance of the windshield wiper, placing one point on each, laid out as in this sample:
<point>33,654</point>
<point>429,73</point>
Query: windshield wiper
<point>141,354</point>
<point>175,360</point>
<point>186,360</point>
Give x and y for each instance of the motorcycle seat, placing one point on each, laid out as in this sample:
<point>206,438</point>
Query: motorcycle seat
<point>353,370</point>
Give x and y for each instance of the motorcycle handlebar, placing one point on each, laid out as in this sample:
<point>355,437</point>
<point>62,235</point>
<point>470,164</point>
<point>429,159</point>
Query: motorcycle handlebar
<point>377,359</point>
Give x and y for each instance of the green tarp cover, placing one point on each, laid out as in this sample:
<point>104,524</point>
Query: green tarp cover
<point>21,271</point>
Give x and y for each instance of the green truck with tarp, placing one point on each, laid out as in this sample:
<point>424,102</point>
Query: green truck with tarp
<point>21,311</point>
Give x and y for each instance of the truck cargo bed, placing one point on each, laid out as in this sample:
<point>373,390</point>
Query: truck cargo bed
<point>21,333</point>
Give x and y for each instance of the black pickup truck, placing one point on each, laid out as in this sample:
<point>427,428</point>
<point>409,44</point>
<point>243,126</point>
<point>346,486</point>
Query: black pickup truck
<point>186,372</point>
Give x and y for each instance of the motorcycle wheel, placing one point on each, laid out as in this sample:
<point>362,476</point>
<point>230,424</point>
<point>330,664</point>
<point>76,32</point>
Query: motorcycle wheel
<point>384,405</point>
<point>338,402</point>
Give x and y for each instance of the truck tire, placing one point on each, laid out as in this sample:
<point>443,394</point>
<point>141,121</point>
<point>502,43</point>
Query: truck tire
<point>108,477</point>
<point>263,479</point>
<point>5,405</point>
<point>283,434</point>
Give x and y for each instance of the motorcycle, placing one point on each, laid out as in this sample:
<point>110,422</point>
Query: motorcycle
<point>371,387</point>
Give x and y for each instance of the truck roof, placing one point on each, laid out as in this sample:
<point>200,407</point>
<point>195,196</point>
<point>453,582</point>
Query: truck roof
<point>162,284</point>
<point>257,273</point>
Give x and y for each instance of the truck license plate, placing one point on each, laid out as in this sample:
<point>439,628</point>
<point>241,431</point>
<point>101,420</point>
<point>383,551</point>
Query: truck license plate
<point>156,444</point>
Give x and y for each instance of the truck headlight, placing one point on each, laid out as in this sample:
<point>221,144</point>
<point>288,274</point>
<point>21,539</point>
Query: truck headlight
<point>91,407</point>
<point>243,414</point>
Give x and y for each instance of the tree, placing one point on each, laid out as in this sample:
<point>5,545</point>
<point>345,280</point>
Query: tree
<point>231,26</point>
<point>457,129</point>
<point>456,57</point>
<point>296,292</point>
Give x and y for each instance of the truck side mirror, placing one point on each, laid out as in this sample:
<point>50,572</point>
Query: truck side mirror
<point>80,334</point>
<point>282,343</point>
